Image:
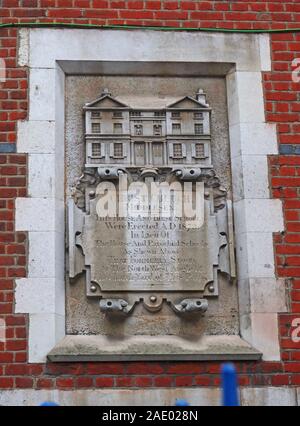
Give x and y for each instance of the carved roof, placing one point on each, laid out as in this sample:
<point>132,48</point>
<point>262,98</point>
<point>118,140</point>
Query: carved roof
<point>103,100</point>
<point>147,102</point>
<point>186,101</point>
<point>106,100</point>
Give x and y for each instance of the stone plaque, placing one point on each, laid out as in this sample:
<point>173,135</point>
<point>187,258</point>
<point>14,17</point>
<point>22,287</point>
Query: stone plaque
<point>142,257</point>
<point>144,254</point>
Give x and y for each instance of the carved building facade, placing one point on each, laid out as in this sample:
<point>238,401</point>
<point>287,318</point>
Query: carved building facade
<point>122,134</point>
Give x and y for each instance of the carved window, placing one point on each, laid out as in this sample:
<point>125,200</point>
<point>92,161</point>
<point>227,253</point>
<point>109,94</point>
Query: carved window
<point>198,115</point>
<point>157,153</point>
<point>118,150</point>
<point>138,129</point>
<point>96,128</point>
<point>136,113</point>
<point>176,129</point>
<point>139,153</point>
<point>117,114</point>
<point>198,129</point>
<point>96,149</point>
<point>96,114</point>
<point>177,150</point>
<point>118,128</point>
<point>157,130</point>
<point>159,113</point>
<point>175,114</point>
<point>199,150</point>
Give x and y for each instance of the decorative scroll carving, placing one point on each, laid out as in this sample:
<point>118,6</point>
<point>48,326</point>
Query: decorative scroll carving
<point>87,179</point>
<point>115,306</point>
<point>191,306</point>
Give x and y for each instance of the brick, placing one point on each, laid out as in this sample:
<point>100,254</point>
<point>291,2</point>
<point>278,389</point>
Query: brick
<point>45,383</point>
<point>185,368</point>
<point>64,13</point>
<point>143,381</point>
<point>67,369</point>
<point>135,4</point>
<point>280,380</point>
<point>23,382</point>
<point>124,381</point>
<point>202,380</point>
<point>164,381</point>
<point>16,345</point>
<point>84,382</point>
<point>171,15</point>
<point>136,14</point>
<point>184,381</point>
<point>105,368</point>
<point>97,13</point>
<point>13,320</point>
<point>29,13</point>
<point>16,370</point>
<point>6,357</point>
<point>295,379</point>
<point>6,382</point>
<point>65,382</point>
<point>188,5</point>
<point>101,4</point>
<point>153,5</point>
<point>104,382</point>
<point>213,16</point>
<point>144,368</point>
<point>20,357</point>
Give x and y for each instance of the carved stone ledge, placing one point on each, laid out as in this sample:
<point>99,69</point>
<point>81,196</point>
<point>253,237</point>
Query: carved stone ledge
<point>153,348</point>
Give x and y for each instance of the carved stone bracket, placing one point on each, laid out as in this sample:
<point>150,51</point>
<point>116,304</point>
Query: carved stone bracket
<point>190,306</point>
<point>188,174</point>
<point>110,173</point>
<point>115,306</point>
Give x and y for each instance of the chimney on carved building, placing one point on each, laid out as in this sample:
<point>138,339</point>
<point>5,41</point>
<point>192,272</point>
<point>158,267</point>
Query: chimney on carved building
<point>201,97</point>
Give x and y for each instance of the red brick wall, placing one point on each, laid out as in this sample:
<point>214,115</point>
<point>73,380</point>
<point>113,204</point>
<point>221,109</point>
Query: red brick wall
<point>282,107</point>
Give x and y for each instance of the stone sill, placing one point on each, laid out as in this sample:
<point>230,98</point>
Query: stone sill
<point>82,348</point>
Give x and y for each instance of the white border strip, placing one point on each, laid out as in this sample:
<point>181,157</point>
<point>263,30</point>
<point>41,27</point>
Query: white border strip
<point>202,396</point>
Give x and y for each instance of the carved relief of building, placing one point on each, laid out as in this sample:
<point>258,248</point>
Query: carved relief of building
<point>124,134</point>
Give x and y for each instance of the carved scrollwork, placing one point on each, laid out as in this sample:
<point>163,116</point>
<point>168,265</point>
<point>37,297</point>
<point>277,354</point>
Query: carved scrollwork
<point>115,306</point>
<point>190,306</point>
<point>87,179</point>
<point>110,173</point>
<point>188,174</point>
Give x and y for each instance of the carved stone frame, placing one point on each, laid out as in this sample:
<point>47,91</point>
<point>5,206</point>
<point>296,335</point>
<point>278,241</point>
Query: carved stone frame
<point>242,59</point>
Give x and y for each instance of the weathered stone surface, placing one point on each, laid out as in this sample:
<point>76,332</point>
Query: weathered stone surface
<point>203,396</point>
<point>113,397</point>
<point>268,396</point>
